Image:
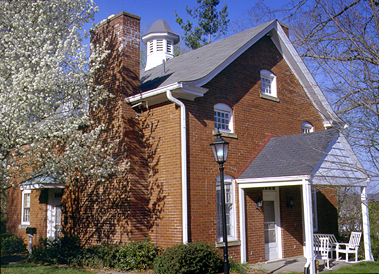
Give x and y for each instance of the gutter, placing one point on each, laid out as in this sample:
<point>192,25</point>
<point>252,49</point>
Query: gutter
<point>183,134</point>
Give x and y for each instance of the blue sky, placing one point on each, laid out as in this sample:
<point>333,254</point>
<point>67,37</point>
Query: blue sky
<point>152,10</point>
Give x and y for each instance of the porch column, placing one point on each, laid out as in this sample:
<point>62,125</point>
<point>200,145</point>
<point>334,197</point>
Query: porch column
<point>366,225</point>
<point>308,226</point>
<point>242,204</point>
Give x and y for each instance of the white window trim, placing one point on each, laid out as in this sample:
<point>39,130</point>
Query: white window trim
<point>25,191</point>
<point>306,127</point>
<point>233,233</point>
<point>225,108</point>
<point>269,75</point>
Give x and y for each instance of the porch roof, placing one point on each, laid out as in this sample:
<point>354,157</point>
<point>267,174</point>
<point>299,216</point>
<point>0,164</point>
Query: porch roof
<point>325,156</point>
<point>41,180</point>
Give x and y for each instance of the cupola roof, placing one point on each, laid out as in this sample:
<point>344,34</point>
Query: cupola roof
<point>160,26</point>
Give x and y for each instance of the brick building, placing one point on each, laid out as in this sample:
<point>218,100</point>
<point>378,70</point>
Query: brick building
<point>286,155</point>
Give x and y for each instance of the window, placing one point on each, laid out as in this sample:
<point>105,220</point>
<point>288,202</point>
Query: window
<point>26,207</point>
<point>314,210</point>
<point>223,117</point>
<point>229,207</point>
<point>268,83</point>
<point>306,127</point>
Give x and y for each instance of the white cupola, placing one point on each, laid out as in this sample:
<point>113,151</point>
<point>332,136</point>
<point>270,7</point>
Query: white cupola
<point>160,41</point>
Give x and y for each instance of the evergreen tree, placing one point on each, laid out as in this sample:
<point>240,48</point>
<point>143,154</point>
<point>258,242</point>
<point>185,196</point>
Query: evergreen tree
<point>212,24</point>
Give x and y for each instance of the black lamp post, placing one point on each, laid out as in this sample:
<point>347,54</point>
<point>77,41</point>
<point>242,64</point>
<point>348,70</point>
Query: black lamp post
<point>220,151</point>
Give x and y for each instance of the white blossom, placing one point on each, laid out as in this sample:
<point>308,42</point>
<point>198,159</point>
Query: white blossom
<point>45,84</point>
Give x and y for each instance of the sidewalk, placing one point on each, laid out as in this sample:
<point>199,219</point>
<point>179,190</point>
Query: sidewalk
<point>295,264</point>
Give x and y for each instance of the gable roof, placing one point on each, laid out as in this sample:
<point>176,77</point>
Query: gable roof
<point>324,155</point>
<point>198,64</point>
<point>186,74</point>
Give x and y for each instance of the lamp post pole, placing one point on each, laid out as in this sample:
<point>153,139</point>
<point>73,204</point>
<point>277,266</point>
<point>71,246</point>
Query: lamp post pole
<point>224,231</point>
<point>220,151</point>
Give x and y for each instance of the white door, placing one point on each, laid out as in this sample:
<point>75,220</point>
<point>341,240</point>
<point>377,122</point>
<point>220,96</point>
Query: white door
<point>54,213</point>
<point>272,224</point>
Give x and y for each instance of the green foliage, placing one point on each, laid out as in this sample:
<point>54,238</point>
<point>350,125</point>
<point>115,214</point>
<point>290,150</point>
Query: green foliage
<point>191,258</point>
<point>131,256</point>
<point>137,256</point>
<point>363,267</point>
<point>211,23</point>
<point>28,268</point>
<point>3,224</point>
<point>61,250</point>
<point>104,255</point>
<point>237,267</point>
<point>11,244</point>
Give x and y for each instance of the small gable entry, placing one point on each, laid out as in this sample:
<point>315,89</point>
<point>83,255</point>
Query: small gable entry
<point>299,166</point>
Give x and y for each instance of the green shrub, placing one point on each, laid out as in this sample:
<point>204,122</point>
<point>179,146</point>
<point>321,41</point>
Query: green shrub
<point>191,258</point>
<point>104,255</point>
<point>11,244</point>
<point>3,224</point>
<point>237,267</point>
<point>61,250</point>
<point>137,256</point>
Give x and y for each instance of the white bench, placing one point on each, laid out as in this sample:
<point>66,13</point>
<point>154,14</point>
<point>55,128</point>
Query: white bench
<point>351,247</point>
<point>332,242</point>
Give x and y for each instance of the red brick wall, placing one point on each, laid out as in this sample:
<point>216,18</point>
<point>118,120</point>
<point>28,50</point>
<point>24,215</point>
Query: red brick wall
<point>291,221</point>
<point>327,210</point>
<point>238,86</point>
<point>117,209</point>
<point>14,204</point>
<point>163,135</point>
<point>38,213</point>
<point>254,227</point>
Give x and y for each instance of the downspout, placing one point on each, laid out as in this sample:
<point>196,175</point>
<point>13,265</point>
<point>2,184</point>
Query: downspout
<point>183,134</point>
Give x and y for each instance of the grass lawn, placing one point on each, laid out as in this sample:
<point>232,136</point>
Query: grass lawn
<point>363,267</point>
<point>28,268</point>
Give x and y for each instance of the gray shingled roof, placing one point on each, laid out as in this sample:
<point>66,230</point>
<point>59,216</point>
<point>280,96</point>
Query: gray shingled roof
<point>198,63</point>
<point>40,178</point>
<point>290,155</point>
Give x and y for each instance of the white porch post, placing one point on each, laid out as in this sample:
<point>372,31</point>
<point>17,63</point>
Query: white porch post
<point>366,225</point>
<point>308,225</point>
<point>242,205</point>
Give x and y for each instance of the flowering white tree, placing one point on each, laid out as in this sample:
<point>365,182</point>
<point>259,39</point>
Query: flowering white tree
<point>46,90</point>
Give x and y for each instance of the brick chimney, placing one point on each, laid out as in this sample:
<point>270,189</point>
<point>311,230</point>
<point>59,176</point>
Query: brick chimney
<point>121,71</point>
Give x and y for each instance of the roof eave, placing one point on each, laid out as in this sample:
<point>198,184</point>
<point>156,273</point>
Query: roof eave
<point>158,95</point>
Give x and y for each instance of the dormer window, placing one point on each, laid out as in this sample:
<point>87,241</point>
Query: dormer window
<point>223,118</point>
<point>306,127</point>
<point>268,83</point>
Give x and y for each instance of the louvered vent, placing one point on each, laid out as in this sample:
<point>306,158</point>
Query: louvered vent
<point>169,46</point>
<point>151,46</point>
<point>159,45</point>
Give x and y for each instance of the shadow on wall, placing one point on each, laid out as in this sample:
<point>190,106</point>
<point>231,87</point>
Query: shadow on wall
<point>127,204</point>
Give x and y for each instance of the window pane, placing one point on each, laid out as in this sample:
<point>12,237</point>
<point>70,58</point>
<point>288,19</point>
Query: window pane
<point>26,215</point>
<point>228,210</point>
<point>26,209</point>
<point>27,200</point>
<point>266,85</point>
<point>221,119</point>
